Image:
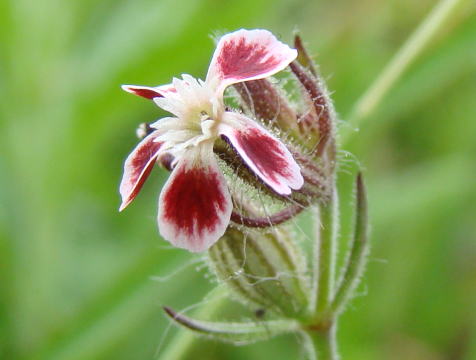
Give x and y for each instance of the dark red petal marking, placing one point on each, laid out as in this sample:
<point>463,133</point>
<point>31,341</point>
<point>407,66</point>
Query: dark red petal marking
<point>240,59</point>
<point>194,192</point>
<point>147,91</point>
<point>248,55</point>
<point>194,206</point>
<point>264,154</point>
<point>137,168</point>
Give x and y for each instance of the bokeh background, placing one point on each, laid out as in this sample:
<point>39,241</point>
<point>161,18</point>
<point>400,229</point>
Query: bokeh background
<point>78,280</point>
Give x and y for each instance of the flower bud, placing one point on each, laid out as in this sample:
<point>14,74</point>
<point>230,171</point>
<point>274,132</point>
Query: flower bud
<point>319,121</point>
<point>263,270</point>
<point>267,104</point>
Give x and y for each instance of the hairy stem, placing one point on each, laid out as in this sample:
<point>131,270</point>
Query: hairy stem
<point>324,272</point>
<point>410,50</point>
<point>321,345</point>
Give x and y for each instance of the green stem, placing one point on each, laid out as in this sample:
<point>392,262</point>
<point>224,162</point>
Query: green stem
<point>412,48</point>
<point>326,251</point>
<point>321,345</point>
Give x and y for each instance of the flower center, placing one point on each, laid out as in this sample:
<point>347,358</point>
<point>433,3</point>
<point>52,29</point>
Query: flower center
<point>198,110</point>
<point>209,125</point>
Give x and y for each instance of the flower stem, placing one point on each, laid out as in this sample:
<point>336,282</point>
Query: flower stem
<point>326,251</point>
<point>321,345</point>
<point>412,48</point>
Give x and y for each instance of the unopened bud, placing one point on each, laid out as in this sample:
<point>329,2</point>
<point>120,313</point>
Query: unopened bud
<point>266,103</point>
<point>303,56</point>
<point>320,119</point>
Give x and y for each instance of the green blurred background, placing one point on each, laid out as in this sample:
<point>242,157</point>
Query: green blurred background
<point>77,278</point>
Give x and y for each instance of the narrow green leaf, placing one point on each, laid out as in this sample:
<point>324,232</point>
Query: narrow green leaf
<point>358,252</point>
<point>236,333</point>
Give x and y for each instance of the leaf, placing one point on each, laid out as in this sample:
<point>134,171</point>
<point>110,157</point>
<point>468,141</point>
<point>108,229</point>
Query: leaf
<point>232,332</point>
<point>359,250</point>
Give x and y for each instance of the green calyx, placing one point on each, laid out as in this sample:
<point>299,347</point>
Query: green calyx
<point>263,270</point>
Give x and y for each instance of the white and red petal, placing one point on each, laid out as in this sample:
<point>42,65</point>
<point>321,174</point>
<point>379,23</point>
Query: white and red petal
<point>137,168</point>
<point>264,154</point>
<point>247,55</point>
<point>195,204</point>
<point>149,92</point>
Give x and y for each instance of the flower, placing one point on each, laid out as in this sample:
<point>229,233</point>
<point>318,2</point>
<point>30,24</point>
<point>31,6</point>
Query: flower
<point>195,204</point>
